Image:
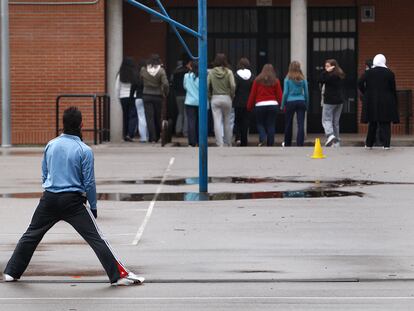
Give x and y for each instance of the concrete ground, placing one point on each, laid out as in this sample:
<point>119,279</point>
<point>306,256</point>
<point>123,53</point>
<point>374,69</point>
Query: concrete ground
<point>284,253</point>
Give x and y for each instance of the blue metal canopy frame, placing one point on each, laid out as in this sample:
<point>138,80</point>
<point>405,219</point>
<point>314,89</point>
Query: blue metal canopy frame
<point>201,34</point>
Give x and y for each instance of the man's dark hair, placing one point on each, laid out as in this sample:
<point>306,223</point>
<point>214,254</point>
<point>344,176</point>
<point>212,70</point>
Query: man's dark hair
<point>72,120</point>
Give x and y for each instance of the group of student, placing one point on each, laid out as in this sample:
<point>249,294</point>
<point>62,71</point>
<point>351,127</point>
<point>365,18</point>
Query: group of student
<point>234,95</point>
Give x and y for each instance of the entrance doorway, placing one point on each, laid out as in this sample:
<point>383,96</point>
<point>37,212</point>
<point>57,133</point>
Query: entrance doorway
<point>260,34</point>
<point>263,35</point>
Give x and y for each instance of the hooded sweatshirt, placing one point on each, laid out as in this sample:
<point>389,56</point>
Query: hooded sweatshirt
<point>155,81</point>
<point>244,81</point>
<point>221,82</point>
<point>295,91</point>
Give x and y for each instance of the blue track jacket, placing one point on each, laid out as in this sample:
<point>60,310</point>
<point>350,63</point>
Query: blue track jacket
<point>68,166</point>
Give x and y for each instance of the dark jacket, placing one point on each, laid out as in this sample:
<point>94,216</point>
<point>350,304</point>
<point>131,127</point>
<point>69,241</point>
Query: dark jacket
<point>380,96</point>
<point>243,87</point>
<point>137,90</point>
<point>177,80</point>
<point>334,93</point>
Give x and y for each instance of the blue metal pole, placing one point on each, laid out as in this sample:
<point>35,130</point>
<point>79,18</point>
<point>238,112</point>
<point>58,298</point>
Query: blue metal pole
<point>202,112</point>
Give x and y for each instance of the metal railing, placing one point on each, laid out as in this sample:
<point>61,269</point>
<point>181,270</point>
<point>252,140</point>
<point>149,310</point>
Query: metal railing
<point>101,115</point>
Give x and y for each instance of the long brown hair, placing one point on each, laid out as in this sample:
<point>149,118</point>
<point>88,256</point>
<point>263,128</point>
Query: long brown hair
<point>337,70</point>
<point>221,61</point>
<point>295,73</point>
<point>243,63</point>
<point>267,76</point>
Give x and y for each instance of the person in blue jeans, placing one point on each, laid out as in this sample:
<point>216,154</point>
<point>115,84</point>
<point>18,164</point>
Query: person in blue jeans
<point>191,102</point>
<point>295,100</point>
<point>265,97</point>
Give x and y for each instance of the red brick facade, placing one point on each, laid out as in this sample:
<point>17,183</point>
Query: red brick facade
<point>54,50</point>
<point>392,35</point>
<point>61,49</point>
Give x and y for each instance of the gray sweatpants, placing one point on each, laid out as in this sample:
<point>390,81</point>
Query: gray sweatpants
<point>221,108</point>
<point>330,119</point>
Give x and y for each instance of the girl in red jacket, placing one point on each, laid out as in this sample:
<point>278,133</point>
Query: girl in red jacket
<point>265,96</point>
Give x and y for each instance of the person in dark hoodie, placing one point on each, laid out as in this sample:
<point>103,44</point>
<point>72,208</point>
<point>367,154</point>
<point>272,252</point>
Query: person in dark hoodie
<point>155,91</point>
<point>295,100</point>
<point>379,90</point>
<point>244,81</point>
<point>221,87</point>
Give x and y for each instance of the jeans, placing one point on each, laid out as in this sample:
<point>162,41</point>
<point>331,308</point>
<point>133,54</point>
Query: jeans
<point>129,120</point>
<point>69,207</point>
<point>241,124</point>
<point>181,124</point>
<point>266,122</point>
<point>330,119</point>
<point>142,122</point>
<point>299,108</point>
<point>153,106</point>
<point>192,123</point>
<point>221,108</point>
<point>384,130</point>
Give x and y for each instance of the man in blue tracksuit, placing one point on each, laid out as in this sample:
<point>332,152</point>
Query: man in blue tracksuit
<point>69,181</point>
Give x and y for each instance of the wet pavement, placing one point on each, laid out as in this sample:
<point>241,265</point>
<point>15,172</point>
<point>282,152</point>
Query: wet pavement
<point>289,251</point>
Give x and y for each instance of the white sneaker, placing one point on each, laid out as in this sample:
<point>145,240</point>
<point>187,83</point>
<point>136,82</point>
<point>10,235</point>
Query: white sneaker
<point>369,148</point>
<point>331,139</point>
<point>387,148</point>
<point>8,278</point>
<point>130,279</point>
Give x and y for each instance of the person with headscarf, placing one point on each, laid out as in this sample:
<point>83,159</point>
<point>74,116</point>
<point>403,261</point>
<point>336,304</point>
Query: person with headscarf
<point>379,90</point>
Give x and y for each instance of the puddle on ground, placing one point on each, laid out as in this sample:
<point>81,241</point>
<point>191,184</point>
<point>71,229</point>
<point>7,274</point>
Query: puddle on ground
<point>249,180</point>
<point>221,196</point>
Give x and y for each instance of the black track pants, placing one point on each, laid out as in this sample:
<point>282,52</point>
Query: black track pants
<point>70,207</point>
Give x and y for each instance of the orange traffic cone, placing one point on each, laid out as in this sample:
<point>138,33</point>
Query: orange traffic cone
<point>318,152</point>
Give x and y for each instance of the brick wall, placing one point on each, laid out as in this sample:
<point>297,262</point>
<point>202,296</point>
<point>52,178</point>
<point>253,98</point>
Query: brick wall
<point>61,49</point>
<point>54,49</point>
<point>392,35</point>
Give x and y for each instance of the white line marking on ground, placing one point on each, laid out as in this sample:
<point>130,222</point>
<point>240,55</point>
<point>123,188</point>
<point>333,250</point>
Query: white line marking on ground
<point>289,298</point>
<point>152,204</point>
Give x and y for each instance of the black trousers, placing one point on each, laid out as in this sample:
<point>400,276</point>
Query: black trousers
<point>192,124</point>
<point>384,132</point>
<point>69,207</point>
<point>241,121</point>
<point>153,107</point>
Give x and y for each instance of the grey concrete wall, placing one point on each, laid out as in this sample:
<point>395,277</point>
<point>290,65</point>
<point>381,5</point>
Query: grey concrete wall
<point>114,59</point>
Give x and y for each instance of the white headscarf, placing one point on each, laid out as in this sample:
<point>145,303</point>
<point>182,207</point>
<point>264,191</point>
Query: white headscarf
<point>379,61</point>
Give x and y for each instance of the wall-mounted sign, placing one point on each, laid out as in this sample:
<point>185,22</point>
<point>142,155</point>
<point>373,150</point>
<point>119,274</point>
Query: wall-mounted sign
<point>368,14</point>
<point>264,2</point>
